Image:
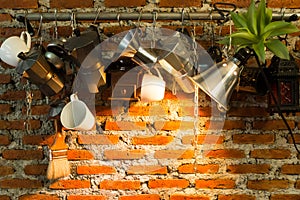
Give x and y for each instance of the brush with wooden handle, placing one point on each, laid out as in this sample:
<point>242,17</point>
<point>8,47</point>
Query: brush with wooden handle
<point>58,162</point>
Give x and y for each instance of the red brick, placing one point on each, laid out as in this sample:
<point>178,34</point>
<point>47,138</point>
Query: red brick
<point>39,197</point>
<point>180,3</point>
<point>4,140</point>
<point>141,197</point>
<point>38,109</point>
<point>267,184</point>
<point>80,155</point>
<point>38,139</point>
<point>20,183</point>
<point>249,168</point>
<point>5,109</point>
<point>285,197</point>
<point>125,3</point>
<point>236,197</point>
<point>225,125</point>
<point>6,170</point>
<point>98,139</point>
<point>19,124</point>
<point>188,197</point>
<point>247,112</point>
<point>85,170</point>
<point>224,153</point>
<point>5,78</point>
<point>272,125</point>
<point>147,169</point>
<point>240,4</point>
<point>168,183</point>
<point>174,154</point>
<point>36,170</point>
<point>124,126</point>
<point>203,139</point>
<point>5,17</point>
<point>270,153</point>
<point>123,154</point>
<point>297,184</point>
<point>18,154</point>
<point>203,169</point>
<point>120,185</point>
<point>296,137</point>
<point>86,197</point>
<point>290,169</point>
<point>15,4</point>
<point>291,4</point>
<point>253,139</point>
<point>71,4</point>
<point>215,184</point>
<point>152,140</point>
<point>15,95</point>
<point>70,184</point>
<point>4,197</point>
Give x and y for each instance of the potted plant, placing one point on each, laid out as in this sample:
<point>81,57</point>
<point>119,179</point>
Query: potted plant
<point>256,30</point>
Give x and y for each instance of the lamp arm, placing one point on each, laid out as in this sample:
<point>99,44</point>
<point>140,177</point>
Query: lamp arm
<point>276,103</point>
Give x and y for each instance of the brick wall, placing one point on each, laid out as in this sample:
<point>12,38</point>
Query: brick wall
<point>147,151</point>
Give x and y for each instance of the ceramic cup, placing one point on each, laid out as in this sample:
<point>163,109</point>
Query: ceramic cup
<point>152,87</point>
<point>14,45</point>
<point>76,115</point>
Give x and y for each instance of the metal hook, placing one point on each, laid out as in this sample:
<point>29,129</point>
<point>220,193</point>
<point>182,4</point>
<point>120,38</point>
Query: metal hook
<point>55,24</point>
<point>155,16</point>
<point>139,18</point>
<point>97,15</point>
<point>182,20</point>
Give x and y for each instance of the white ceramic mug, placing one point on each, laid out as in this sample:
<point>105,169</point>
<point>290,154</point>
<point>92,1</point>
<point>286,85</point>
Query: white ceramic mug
<point>14,45</point>
<point>76,115</point>
<point>152,87</point>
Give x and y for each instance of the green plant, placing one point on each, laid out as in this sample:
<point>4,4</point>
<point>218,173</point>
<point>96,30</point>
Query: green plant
<point>256,30</point>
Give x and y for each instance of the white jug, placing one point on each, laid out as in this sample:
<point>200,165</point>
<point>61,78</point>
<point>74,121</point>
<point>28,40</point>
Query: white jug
<point>14,45</point>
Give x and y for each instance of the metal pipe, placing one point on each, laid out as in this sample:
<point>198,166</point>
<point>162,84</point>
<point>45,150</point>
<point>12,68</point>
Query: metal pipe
<point>63,16</point>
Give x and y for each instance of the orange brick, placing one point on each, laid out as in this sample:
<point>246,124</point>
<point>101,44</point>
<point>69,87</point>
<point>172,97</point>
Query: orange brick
<point>253,139</point>
<point>215,184</point>
<point>270,153</point>
<point>6,170</point>
<point>17,154</point>
<point>120,185</point>
<point>236,197</point>
<point>174,154</point>
<point>153,110</point>
<point>85,170</point>
<point>39,197</point>
<point>20,183</point>
<point>80,155</point>
<point>291,4</point>
<point>19,4</point>
<point>125,3</point>
<point>272,125</point>
<point>147,169</point>
<point>141,197</point>
<point>71,4</point>
<point>167,125</point>
<point>5,109</point>
<point>152,140</point>
<point>123,154</point>
<point>203,169</point>
<point>203,139</point>
<point>285,197</point>
<point>4,140</point>
<point>168,183</point>
<point>38,139</point>
<point>290,169</point>
<point>19,124</point>
<point>240,4</point>
<point>225,125</point>
<point>38,169</point>
<point>86,197</point>
<point>180,3</point>
<point>249,168</point>
<point>98,139</point>
<point>38,109</point>
<point>267,184</point>
<point>296,137</point>
<point>4,197</point>
<point>297,184</point>
<point>70,184</point>
<point>224,153</point>
<point>188,197</point>
<point>5,17</point>
<point>5,78</point>
<point>124,126</point>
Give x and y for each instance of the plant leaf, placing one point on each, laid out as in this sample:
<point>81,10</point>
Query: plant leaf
<point>239,20</point>
<point>268,16</point>
<point>285,30</point>
<point>252,18</point>
<point>261,16</point>
<point>259,49</point>
<point>279,28</point>
<point>278,49</point>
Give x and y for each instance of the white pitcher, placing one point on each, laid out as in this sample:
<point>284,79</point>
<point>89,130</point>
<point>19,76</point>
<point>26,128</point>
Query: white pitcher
<point>14,45</point>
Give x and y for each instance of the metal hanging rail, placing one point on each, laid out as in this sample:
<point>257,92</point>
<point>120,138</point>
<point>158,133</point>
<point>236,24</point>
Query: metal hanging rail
<point>64,16</point>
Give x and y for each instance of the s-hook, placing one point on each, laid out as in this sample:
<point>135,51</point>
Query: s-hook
<point>224,9</point>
